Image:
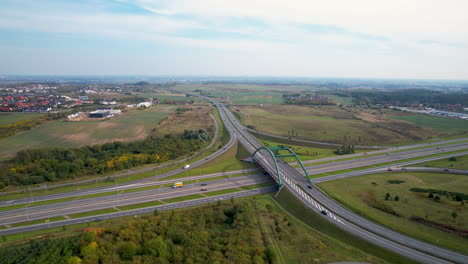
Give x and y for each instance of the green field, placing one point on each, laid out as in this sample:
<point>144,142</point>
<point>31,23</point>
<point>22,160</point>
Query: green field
<point>331,124</point>
<point>9,118</point>
<point>303,152</point>
<point>133,125</point>
<point>443,125</point>
<point>367,193</point>
<point>460,163</point>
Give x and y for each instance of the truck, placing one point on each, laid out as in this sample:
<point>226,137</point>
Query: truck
<point>178,184</point>
<point>186,166</point>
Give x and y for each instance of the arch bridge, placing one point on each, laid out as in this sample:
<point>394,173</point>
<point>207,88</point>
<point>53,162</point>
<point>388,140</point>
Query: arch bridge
<point>274,153</point>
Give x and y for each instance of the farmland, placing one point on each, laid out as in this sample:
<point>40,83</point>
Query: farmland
<point>331,124</point>
<point>367,193</point>
<point>9,118</point>
<point>133,125</point>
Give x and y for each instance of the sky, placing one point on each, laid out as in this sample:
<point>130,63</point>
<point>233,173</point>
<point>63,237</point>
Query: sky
<point>416,39</point>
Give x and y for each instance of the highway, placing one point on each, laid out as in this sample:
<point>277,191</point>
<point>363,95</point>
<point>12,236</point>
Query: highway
<point>123,199</point>
<point>122,187</point>
<point>345,219</point>
<point>136,212</point>
<point>379,159</point>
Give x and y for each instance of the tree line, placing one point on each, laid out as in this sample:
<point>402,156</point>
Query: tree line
<point>33,166</point>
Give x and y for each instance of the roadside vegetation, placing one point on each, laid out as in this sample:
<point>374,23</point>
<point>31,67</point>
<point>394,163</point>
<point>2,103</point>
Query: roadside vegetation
<point>428,206</point>
<point>249,230</point>
<point>459,162</point>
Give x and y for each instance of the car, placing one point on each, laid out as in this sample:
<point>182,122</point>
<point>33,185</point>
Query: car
<point>308,186</point>
<point>203,189</point>
<point>265,173</point>
<point>389,169</point>
<point>203,184</point>
<point>324,212</point>
<point>438,148</point>
<point>446,170</point>
<point>403,168</point>
<point>365,153</point>
<point>387,154</point>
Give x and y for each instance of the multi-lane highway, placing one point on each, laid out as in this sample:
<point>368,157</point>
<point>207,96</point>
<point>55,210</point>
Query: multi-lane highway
<point>136,212</point>
<point>122,199</point>
<point>345,219</point>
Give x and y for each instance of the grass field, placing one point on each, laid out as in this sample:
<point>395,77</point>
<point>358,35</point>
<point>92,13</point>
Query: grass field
<point>441,125</point>
<point>332,124</point>
<point>198,117</point>
<point>364,194</point>
<point>228,161</point>
<point>304,153</point>
<point>461,163</point>
<point>9,118</point>
<point>133,125</point>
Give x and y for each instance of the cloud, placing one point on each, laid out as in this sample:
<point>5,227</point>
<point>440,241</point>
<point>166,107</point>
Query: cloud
<point>291,37</point>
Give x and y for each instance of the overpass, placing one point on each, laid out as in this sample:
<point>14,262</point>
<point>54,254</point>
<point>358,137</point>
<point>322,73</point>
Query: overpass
<point>313,198</point>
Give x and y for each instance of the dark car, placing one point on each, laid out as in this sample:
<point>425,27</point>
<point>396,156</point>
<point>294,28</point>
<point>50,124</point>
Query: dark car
<point>324,212</point>
<point>308,186</point>
<point>203,189</point>
<point>203,184</point>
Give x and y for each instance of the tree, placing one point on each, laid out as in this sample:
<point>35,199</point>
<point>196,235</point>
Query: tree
<point>396,198</point>
<point>452,159</point>
<point>437,198</point>
<point>127,250</point>
<point>73,260</point>
<point>270,255</point>
<point>388,197</point>
<point>156,212</point>
<point>431,195</point>
<point>454,215</point>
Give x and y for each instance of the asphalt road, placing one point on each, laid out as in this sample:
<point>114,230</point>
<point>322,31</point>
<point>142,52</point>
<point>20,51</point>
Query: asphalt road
<point>349,221</point>
<point>136,212</point>
<point>121,199</point>
<point>373,160</point>
<point>114,188</point>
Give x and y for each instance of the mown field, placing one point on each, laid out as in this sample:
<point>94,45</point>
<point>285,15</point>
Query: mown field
<point>9,118</point>
<point>133,125</point>
<point>367,193</point>
<point>332,124</point>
